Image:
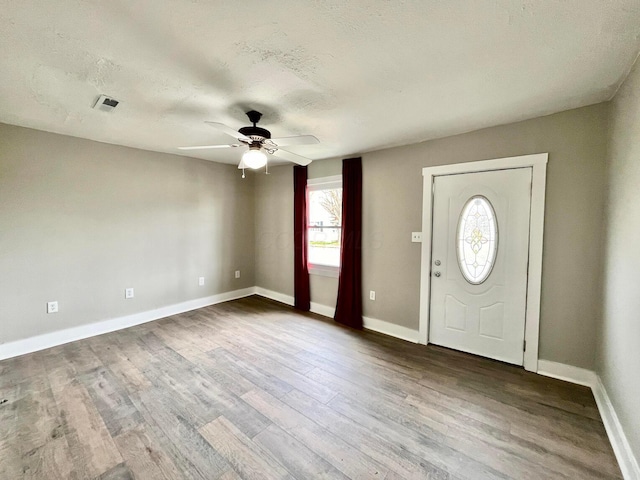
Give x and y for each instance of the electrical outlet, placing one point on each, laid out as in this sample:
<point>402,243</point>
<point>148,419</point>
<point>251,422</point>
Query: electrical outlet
<point>52,307</point>
<point>201,281</point>
<point>416,237</point>
<point>372,295</point>
<point>128,293</point>
<point>237,273</point>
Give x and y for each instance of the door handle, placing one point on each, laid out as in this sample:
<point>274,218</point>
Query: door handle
<point>437,262</point>
<point>437,274</point>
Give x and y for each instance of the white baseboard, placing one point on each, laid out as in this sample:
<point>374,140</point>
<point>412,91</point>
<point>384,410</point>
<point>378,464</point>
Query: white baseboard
<point>60,337</point>
<point>318,308</point>
<point>627,461</point>
<point>323,310</point>
<point>568,373</point>
<point>391,329</point>
<point>277,296</point>
<point>373,324</point>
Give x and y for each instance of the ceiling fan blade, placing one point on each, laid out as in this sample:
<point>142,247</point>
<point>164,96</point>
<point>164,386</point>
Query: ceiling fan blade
<point>229,131</point>
<point>206,147</point>
<point>297,140</point>
<point>292,157</point>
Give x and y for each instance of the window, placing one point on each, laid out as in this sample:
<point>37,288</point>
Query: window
<point>324,210</point>
<point>477,239</point>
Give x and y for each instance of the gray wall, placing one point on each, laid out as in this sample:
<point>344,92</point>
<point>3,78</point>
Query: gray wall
<point>274,232</point>
<point>392,209</point>
<point>80,221</point>
<point>619,348</point>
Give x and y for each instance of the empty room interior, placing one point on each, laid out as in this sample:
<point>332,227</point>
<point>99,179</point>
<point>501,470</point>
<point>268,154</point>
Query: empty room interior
<point>351,240</point>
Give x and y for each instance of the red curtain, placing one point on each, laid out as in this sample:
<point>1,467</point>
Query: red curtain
<point>301,271</point>
<point>349,304</point>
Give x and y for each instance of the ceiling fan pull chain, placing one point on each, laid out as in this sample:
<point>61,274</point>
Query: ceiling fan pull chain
<point>243,173</point>
<point>266,168</point>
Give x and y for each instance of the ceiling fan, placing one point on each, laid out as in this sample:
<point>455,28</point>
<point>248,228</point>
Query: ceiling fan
<point>259,141</point>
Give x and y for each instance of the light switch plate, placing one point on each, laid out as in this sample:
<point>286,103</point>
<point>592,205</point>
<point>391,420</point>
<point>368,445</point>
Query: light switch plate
<point>416,237</point>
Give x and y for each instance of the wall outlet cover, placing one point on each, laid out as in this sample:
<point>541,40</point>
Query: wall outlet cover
<point>416,237</point>
<point>52,307</point>
<point>200,281</point>
<point>128,293</point>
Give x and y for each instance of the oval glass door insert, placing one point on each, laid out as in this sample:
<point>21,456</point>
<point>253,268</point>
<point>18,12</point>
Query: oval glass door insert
<point>477,239</point>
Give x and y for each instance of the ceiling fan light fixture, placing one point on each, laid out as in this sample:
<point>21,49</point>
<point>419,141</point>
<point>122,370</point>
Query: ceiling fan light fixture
<point>254,157</point>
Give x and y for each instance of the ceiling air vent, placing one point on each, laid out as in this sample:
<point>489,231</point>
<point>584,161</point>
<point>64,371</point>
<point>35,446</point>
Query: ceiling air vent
<point>106,104</point>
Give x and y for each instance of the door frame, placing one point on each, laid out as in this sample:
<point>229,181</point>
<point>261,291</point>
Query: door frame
<point>538,164</point>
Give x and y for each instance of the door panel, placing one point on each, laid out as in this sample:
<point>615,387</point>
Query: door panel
<point>485,316</point>
<point>455,314</point>
<point>492,321</point>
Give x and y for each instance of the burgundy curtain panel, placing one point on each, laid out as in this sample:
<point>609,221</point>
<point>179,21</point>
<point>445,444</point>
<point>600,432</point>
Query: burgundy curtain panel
<point>349,304</point>
<point>301,271</point>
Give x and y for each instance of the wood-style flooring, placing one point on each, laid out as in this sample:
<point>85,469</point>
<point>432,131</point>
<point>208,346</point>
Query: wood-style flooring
<point>253,389</point>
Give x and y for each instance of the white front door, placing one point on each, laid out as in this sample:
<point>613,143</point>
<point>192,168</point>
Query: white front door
<point>480,248</point>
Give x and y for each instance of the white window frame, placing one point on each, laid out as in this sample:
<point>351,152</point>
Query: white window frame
<point>324,183</point>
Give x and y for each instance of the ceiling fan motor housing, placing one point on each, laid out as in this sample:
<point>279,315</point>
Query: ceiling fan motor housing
<point>255,132</point>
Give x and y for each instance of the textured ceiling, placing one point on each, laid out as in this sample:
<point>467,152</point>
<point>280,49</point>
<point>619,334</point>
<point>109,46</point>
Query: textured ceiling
<point>360,75</point>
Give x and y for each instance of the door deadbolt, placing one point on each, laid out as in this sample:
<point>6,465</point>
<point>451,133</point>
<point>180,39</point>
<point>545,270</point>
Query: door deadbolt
<point>437,274</point>
<point>438,263</point>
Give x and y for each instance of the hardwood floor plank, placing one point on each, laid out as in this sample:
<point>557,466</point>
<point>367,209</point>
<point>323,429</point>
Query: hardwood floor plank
<point>349,460</point>
<point>201,398</point>
<point>187,449</point>
<point>119,472</point>
<point>297,458</point>
<point>51,461</point>
<point>134,349</point>
<point>145,457</point>
<point>92,449</point>
<point>31,420</point>
<point>255,375</point>
<point>232,383</point>
<point>389,384</point>
<point>431,447</point>
<point>384,403</point>
<point>81,356</point>
<point>517,410</point>
<point>291,377</point>
<point>112,356</point>
<point>394,456</point>
<point>230,475</point>
<point>247,458</point>
<point>593,453</point>
<point>111,400</point>
<point>537,435</point>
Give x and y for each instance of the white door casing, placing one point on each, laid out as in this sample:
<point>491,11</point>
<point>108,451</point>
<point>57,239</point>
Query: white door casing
<point>478,299</point>
<point>538,163</point>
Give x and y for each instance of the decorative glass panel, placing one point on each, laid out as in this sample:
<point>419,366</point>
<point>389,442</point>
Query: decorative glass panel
<point>477,239</point>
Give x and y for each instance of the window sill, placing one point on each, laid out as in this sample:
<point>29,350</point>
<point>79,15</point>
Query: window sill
<point>324,271</point>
